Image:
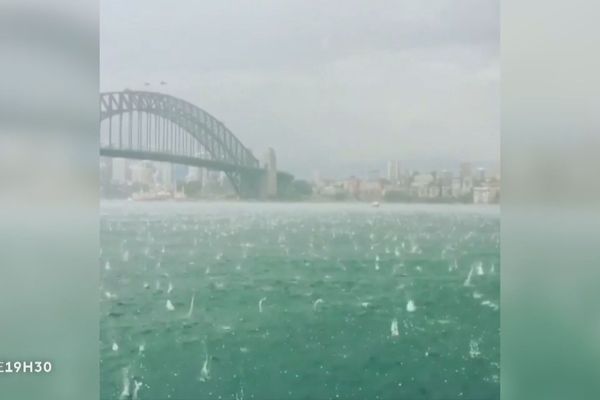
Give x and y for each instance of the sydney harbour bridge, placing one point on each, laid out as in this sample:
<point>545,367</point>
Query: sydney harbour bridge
<point>158,127</point>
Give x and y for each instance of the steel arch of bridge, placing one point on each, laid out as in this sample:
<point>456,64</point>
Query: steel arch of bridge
<point>160,127</point>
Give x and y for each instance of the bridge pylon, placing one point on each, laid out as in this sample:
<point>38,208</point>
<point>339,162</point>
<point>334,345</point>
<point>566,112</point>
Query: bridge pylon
<point>268,186</point>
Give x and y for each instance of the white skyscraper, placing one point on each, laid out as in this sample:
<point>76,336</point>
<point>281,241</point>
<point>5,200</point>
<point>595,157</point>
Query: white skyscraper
<point>166,172</point>
<point>119,170</point>
<point>194,174</point>
<point>394,171</point>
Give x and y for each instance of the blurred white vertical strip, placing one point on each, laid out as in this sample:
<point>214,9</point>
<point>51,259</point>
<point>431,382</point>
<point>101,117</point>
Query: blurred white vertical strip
<point>551,196</point>
<point>48,196</point>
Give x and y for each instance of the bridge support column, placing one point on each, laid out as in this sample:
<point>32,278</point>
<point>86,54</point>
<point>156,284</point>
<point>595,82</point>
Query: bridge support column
<point>269,179</point>
<point>250,185</point>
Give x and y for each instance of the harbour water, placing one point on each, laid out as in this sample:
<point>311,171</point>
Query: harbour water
<point>299,301</point>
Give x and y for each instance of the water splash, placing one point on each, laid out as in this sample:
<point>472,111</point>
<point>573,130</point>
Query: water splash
<point>170,306</point>
<point>240,395</point>
<point>170,289</point>
<point>115,346</point>
<point>125,393</point>
<point>110,295</point>
<point>189,313</point>
<point>410,306</point>
<point>474,349</point>
<point>316,303</point>
<point>260,303</point>
<point>414,248</point>
<point>136,388</point>
<point>468,280</point>
<point>453,266</point>
<point>205,371</point>
<point>480,269</point>
<point>107,266</point>
<point>394,328</point>
<point>490,304</point>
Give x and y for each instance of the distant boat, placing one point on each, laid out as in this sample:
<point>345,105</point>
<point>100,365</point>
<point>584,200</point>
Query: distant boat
<point>375,204</point>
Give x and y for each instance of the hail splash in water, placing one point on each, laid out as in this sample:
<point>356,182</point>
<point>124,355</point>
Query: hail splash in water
<point>260,303</point>
<point>479,268</point>
<point>468,280</point>
<point>170,306</point>
<point>205,371</point>
<point>136,387</point>
<point>474,349</point>
<point>125,393</point>
<point>189,313</point>
<point>316,303</point>
<point>394,327</point>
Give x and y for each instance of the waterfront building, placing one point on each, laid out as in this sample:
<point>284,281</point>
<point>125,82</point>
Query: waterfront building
<point>480,174</point>
<point>371,190</point>
<point>105,171</point>
<point>466,170</point>
<point>485,194</point>
<point>456,187</point>
<point>194,174</point>
<point>120,170</point>
<point>394,172</point>
<point>434,191</point>
<point>167,177</point>
<point>142,173</point>
<point>466,185</point>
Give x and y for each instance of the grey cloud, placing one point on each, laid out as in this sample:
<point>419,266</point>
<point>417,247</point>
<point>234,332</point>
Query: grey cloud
<point>325,83</point>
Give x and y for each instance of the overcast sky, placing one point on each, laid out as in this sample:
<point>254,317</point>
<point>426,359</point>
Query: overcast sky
<point>338,86</point>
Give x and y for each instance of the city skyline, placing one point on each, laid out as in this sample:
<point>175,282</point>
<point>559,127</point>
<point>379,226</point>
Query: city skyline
<point>333,90</point>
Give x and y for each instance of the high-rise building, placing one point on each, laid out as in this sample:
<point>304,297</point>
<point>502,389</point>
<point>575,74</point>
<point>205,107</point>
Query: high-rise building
<point>373,175</point>
<point>446,177</point>
<point>466,170</point>
<point>394,171</point>
<point>167,177</point>
<point>480,174</point>
<point>180,172</point>
<point>105,170</point>
<point>120,167</point>
<point>317,180</point>
<point>142,172</point>
<point>194,174</point>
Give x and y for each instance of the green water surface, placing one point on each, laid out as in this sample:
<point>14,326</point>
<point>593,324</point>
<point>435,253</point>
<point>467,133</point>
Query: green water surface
<point>333,280</point>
